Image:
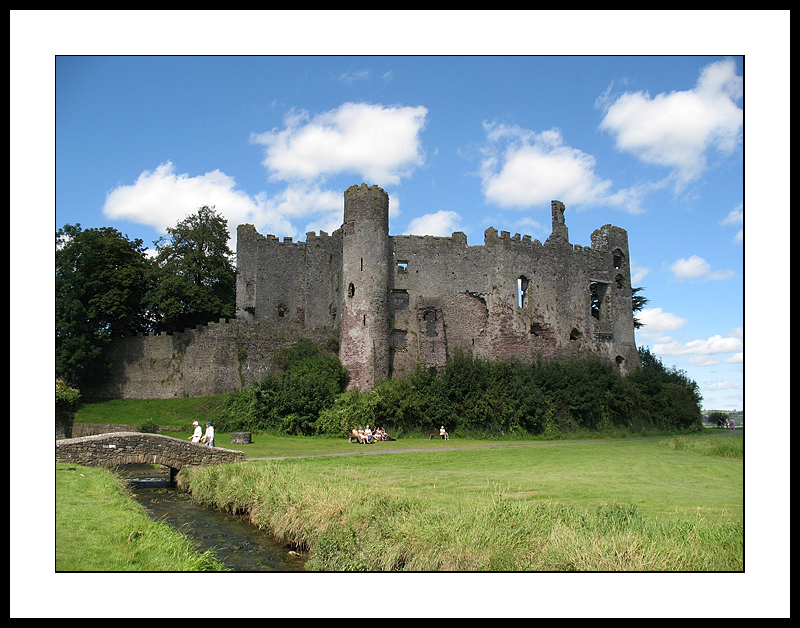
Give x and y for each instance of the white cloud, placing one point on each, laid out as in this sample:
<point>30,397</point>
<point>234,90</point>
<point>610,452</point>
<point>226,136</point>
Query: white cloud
<point>695,267</point>
<point>737,358</point>
<point>657,320</point>
<point>352,77</point>
<point>715,344</point>
<point>678,129</point>
<point>638,273</point>
<point>521,168</point>
<point>735,218</point>
<point>704,360</point>
<point>161,198</point>
<point>442,223</point>
<point>381,144</point>
<point>723,385</point>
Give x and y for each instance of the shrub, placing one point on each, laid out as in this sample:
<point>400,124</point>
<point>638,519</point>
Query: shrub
<point>147,426</point>
<point>288,399</point>
<point>67,401</point>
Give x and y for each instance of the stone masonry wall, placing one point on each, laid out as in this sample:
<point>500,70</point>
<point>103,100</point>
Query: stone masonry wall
<point>395,301</point>
<point>209,360</point>
<point>110,450</point>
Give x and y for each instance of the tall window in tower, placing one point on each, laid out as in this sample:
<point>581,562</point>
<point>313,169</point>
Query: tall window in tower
<point>522,291</point>
<point>597,291</point>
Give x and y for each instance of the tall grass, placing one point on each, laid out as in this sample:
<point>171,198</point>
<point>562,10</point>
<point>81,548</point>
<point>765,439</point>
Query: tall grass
<point>347,526</point>
<point>722,446</point>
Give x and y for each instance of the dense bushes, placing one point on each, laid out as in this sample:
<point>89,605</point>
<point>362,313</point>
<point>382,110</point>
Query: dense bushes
<point>470,396</point>
<point>290,398</point>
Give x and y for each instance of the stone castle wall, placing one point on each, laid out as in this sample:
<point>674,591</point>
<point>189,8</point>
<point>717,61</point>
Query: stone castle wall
<point>394,301</point>
<point>209,360</point>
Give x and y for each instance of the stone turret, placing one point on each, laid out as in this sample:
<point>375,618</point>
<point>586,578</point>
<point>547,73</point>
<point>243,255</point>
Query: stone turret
<point>365,322</point>
<point>560,231</point>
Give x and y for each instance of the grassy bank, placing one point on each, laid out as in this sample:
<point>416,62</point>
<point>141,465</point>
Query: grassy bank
<point>673,505</point>
<point>177,412</point>
<point>99,527</point>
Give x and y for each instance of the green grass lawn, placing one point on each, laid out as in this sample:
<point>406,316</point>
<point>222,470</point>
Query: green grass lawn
<point>659,479</point>
<point>676,502</point>
<point>176,412</point>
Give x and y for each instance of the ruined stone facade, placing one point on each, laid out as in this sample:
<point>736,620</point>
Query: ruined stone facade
<point>393,301</point>
<point>397,300</point>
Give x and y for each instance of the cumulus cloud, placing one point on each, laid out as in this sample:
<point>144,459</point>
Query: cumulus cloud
<point>521,168</point>
<point>715,344</point>
<point>382,144</point>
<point>736,219</point>
<point>737,358</point>
<point>442,223</point>
<point>657,320</point>
<point>161,198</point>
<point>679,129</point>
<point>695,267</point>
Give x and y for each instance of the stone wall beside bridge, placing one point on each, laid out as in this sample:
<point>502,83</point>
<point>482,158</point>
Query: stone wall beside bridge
<point>121,448</point>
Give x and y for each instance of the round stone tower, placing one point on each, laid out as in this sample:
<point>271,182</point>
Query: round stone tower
<point>365,323</point>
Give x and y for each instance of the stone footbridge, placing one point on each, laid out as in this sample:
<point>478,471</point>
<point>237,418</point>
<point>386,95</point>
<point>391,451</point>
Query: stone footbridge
<point>120,448</point>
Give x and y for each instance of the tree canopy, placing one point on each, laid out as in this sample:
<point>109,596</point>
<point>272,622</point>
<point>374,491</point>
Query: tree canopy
<point>107,286</point>
<point>194,279</point>
<point>101,281</point>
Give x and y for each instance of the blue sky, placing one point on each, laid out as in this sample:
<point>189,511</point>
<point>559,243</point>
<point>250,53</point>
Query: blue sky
<point>650,144</point>
<point>619,128</point>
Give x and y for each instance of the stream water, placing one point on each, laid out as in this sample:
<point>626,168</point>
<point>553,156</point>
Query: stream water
<point>238,544</point>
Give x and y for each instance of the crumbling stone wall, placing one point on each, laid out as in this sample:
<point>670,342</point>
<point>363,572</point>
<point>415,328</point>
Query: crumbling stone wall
<point>209,360</point>
<point>394,301</point>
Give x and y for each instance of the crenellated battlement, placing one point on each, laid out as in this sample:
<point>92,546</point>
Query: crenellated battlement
<point>393,302</point>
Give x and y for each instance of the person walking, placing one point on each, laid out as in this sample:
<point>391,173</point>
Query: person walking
<point>198,433</point>
<point>208,437</point>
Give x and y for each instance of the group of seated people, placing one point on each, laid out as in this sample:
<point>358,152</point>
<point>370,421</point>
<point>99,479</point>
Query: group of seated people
<point>368,436</point>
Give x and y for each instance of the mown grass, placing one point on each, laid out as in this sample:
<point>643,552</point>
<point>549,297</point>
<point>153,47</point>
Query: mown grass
<point>100,527</point>
<point>176,412</point>
<point>635,506</point>
<point>623,503</point>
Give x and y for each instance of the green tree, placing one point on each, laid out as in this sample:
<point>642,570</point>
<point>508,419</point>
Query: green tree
<point>194,279</point>
<point>101,279</point>
<point>638,302</point>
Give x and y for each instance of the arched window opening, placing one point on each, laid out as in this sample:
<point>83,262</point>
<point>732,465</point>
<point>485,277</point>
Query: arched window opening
<point>618,258</point>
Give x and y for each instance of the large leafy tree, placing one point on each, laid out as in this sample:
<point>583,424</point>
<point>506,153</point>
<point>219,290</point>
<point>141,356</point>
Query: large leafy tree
<point>101,279</point>
<point>194,274</point>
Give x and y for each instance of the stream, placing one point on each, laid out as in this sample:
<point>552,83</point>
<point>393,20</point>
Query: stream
<point>237,543</point>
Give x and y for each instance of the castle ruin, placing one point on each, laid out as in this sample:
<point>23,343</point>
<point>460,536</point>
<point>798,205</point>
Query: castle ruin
<point>394,301</point>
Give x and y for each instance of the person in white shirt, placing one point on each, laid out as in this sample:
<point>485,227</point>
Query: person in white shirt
<point>198,433</point>
<point>208,437</point>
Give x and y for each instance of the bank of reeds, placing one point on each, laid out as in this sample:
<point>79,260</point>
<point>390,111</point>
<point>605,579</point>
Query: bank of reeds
<point>351,527</point>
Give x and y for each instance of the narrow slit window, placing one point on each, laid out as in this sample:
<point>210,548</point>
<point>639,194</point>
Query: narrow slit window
<point>522,291</point>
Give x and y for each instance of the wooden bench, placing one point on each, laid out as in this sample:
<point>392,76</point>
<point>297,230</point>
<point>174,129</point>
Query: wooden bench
<point>434,433</point>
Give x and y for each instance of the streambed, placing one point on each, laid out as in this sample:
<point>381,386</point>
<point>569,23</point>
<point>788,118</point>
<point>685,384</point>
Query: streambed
<point>237,543</point>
